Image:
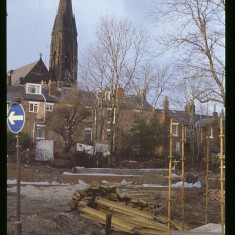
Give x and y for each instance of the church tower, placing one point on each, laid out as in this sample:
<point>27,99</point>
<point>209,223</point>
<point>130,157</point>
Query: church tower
<point>63,50</point>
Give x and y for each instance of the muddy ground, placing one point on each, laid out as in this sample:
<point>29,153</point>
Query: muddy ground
<point>43,209</point>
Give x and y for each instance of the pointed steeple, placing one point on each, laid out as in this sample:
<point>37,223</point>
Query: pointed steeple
<point>63,51</point>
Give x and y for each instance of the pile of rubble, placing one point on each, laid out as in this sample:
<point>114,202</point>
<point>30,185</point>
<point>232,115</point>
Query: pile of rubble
<point>133,210</point>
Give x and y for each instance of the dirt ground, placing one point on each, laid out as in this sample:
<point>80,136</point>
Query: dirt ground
<point>43,209</point>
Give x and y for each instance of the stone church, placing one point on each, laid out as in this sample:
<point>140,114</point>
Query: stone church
<point>63,54</point>
<point>63,51</point>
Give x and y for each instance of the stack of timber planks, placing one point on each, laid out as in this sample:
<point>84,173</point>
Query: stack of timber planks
<point>133,210</point>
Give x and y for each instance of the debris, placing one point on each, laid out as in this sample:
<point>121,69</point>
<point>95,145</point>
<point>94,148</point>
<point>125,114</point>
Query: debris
<point>133,210</point>
<point>214,194</point>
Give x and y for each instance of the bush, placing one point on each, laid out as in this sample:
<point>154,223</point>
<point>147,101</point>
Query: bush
<point>24,139</point>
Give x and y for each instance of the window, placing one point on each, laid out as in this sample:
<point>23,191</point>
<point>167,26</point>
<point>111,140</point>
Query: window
<point>40,131</point>
<point>99,94</point>
<point>33,88</point>
<point>108,95</point>
<point>33,107</point>
<point>137,116</point>
<point>49,107</point>
<point>88,135</point>
<point>177,147</point>
<point>109,115</point>
<point>188,133</point>
<point>211,132</point>
<point>175,129</point>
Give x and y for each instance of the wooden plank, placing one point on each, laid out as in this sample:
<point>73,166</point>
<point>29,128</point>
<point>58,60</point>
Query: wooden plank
<point>147,231</point>
<point>124,208</point>
<point>144,223</point>
<point>102,217</point>
<point>178,225</point>
<point>138,222</point>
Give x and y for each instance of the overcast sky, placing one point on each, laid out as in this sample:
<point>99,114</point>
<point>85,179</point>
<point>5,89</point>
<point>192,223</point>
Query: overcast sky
<point>30,22</point>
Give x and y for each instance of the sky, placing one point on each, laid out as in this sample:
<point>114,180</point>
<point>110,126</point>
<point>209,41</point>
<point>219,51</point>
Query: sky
<point>30,22</point>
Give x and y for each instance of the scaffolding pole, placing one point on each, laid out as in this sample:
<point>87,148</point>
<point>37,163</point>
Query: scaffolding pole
<point>169,181</point>
<point>207,176</point>
<point>182,159</point>
<point>222,174</point>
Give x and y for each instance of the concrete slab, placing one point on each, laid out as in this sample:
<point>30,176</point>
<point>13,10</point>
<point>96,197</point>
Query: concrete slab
<point>119,171</point>
<point>192,233</point>
<point>217,228</point>
<point>207,229</point>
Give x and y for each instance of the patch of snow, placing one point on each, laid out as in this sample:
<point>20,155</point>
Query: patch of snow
<point>154,185</point>
<point>177,185</point>
<point>14,181</point>
<point>104,174</point>
<point>55,183</point>
<point>174,175</point>
<point>81,182</point>
<point>124,182</point>
<point>187,185</point>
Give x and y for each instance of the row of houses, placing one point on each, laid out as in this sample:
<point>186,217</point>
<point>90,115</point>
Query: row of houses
<point>38,97</point>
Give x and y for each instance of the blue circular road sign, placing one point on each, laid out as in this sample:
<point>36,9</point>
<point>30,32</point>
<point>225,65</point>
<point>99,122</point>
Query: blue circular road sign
<point>16,117</point>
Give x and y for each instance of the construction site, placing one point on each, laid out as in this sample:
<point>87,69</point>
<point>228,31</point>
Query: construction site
<point>173,200</point>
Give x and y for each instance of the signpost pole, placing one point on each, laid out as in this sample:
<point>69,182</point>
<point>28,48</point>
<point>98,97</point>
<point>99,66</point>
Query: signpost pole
<point>15,121</point>
<point>18,222</point>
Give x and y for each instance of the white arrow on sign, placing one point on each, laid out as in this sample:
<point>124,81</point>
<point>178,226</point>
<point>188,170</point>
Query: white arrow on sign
<point>12,118</point>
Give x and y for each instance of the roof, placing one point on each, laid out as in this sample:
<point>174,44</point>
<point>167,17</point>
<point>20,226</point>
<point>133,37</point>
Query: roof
<point>134,101</point>
<point>183,117</point>
<point>129,101</point>
<point>37,70</point>
<point>15,93</point>
<point>21,72</point>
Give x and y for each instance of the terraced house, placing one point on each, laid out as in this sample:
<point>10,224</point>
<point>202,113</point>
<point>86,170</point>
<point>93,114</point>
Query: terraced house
<point>200,131</point>
<point>108,115</point>
<point>37,100</point>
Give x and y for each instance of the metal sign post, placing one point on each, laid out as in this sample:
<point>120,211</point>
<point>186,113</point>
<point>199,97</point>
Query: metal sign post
<point>15,121</point>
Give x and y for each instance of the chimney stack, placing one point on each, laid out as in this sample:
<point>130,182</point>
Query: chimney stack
<point>119,93</point>
<point>166,104</point>
<point>215,114</point>
<point>9,74</point>
<point>52,87</point>
<point>190,107</point>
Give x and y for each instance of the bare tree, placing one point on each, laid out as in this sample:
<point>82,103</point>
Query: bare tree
<point>112,60</point>
<point>185,97</point>
<point>196,32</point>
<point>152,80</point>
<point>67,117</point>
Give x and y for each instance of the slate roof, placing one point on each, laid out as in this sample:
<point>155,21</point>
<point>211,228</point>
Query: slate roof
<point>183,118</point>
<point>15,93</point>
<point>134,101</point>
<point>18,75</point>
<point>21,72</point>
<point>129,101</point>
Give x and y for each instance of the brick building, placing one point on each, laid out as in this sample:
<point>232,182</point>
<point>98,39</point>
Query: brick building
<point>200,131</point>
<point>37,100</point>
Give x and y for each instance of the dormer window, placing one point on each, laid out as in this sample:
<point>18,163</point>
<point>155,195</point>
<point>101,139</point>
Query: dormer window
<point>32,88</point>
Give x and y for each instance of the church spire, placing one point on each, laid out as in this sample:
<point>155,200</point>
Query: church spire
<point>63,51</point>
